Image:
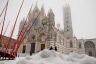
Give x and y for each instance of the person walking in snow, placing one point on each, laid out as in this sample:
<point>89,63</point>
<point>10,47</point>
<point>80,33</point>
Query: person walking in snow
<point>51,48</point>
<point>55,48</point>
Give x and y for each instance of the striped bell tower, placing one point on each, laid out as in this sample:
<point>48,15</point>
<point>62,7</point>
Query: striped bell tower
<point>68,31</point>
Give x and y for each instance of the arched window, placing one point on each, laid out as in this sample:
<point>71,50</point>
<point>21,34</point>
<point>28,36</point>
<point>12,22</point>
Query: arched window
<point>89,44</point>
<point>71,44</point>
<point>90,48</point>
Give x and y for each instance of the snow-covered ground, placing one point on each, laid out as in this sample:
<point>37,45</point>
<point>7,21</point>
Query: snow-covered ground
<point>53,57</point>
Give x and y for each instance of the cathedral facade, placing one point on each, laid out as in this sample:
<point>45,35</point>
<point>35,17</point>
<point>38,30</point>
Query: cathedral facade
<point>44,34</point>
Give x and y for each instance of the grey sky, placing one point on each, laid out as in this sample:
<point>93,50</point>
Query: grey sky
<point>83,14</point>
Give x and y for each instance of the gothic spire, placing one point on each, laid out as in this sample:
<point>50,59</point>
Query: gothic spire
<point>50,13</point>
<point>36,9</point>
<point>51,17</point>
<point>42,10</point>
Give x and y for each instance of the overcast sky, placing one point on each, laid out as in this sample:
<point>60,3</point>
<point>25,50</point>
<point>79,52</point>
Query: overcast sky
<point>83,14</point>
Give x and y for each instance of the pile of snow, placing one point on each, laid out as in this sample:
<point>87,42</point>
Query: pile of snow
<point>53,57</point>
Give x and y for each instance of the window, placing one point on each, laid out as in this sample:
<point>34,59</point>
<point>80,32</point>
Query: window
<point>24,49</point>
<point>80,45</point>
<point>55,37</point>
<point>42,46</point>
<point>71,51</point>
<point>67,30</point>
<point>71,45</point>
<point>63,41</point>
<point>60,39</point>
<point>32,49</point>
<point>51,36</point>
<point>48,38</point>
<point>10,47</point>
<point>33,37</point>
<point>0,45</point>
<point>90,53</point>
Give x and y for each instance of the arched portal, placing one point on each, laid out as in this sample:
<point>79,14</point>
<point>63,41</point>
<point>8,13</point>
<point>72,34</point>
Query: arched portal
<point>90,48</point>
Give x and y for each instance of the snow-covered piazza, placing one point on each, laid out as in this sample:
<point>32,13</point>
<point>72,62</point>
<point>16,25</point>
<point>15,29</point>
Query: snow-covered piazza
<point>52,57</point>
